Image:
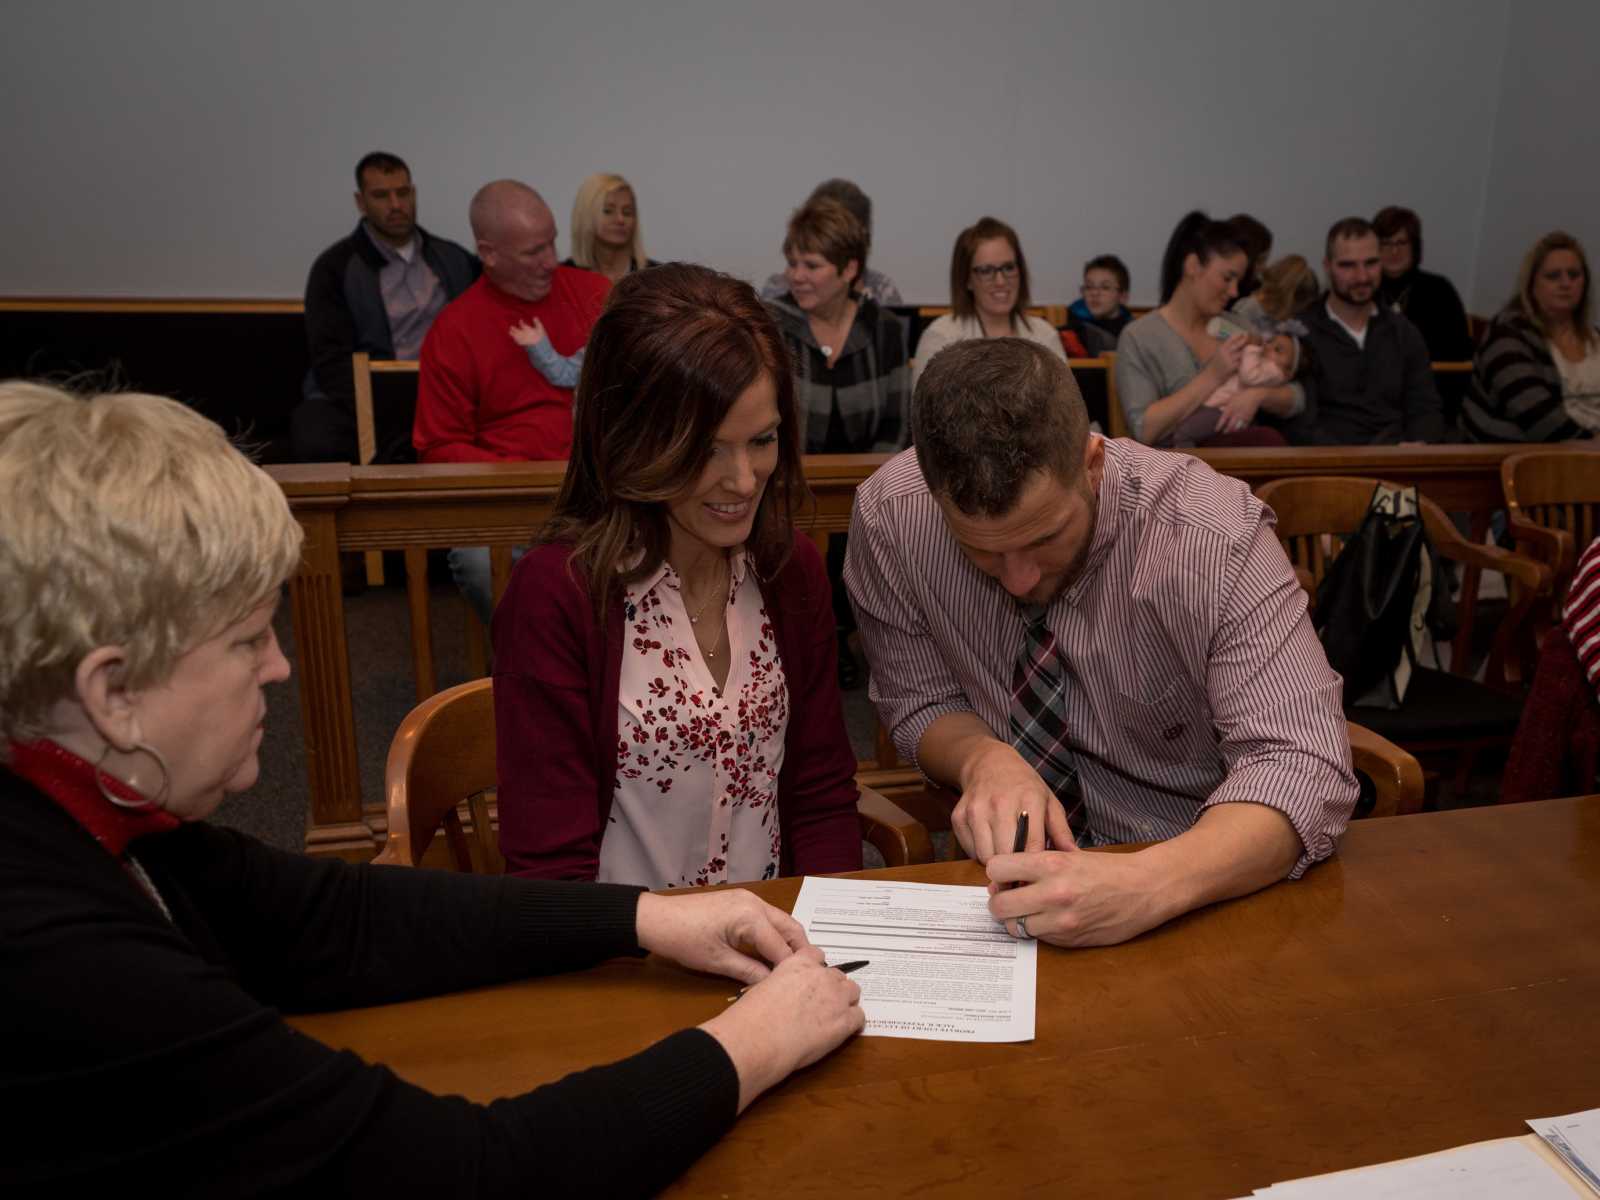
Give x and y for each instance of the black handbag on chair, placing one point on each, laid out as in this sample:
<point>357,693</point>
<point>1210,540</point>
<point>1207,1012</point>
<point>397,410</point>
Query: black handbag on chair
<point>1382,602</point>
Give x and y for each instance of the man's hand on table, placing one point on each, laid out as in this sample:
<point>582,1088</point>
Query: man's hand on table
<point>718,932</point>
<point>1074,898</point>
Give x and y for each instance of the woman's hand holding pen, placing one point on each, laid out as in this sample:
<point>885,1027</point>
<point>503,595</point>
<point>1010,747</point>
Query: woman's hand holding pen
<point>730,933</point>
<point>800,1012</point>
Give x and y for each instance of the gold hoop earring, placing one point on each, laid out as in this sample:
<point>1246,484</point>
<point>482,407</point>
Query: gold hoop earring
<point>101,775</point>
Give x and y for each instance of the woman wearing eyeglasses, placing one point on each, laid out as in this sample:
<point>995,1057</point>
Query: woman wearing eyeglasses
<point>1428,301</point>
<point>988,295</point>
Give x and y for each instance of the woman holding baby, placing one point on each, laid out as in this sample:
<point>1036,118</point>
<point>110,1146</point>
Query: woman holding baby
<point>1183,382</point>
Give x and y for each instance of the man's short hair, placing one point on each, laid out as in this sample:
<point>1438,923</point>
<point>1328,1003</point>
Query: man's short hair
<point>828,228</point>
<point>987,414</point>
<point>381,161</point>
<point>1349,227</point>
<point>1110,262</point>
<point>849,195</point>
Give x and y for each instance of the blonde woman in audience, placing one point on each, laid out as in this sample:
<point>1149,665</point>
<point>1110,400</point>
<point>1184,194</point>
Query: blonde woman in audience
<point>988,295</point>
<point>1536,378</point>
<point>664,690</point>
<point>148,954</point>
<point>1170,362</point>
<point>605,228</point>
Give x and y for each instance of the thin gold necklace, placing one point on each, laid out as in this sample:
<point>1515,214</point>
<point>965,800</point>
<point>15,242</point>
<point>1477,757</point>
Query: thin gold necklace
<point>722,630</point>
<point>694,617</point>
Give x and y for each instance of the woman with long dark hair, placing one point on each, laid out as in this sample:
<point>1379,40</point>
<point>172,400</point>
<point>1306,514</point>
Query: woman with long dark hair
<point>665,700</point>
<point>1169,363</point>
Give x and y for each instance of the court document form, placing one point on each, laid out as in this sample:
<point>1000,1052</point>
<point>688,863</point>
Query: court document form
<point>938,965</point>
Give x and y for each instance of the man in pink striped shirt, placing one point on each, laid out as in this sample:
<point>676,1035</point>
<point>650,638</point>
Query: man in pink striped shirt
<point>1015,574</point>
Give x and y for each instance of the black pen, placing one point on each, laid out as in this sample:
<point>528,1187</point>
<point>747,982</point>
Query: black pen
<point>1020,842</point>
<point>842,968</point>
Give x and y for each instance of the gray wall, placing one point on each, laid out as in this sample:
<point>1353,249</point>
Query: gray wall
<point>204,148</point>
<point>1544,170</point>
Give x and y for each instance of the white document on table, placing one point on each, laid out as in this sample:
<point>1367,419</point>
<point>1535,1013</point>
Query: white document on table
<point>939,966</point>
<point>1576,1138</point>
<point>1495,1170</point>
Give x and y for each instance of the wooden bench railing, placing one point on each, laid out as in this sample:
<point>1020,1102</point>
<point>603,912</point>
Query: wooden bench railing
<point>413,508</point>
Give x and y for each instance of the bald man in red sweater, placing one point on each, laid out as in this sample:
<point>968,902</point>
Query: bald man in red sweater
<point>479,399</point>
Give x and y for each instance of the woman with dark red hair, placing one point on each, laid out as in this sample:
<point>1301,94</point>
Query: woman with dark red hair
<point>1428,301</point>
<point>665,700</point>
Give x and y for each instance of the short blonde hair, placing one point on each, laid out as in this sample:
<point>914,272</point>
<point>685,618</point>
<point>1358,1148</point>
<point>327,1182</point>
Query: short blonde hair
<point>130,521</point>
<point>586,208</point>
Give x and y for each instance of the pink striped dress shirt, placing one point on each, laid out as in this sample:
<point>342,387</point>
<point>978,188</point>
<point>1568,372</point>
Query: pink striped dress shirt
<point>1193,674</point>
<point>1580,613</point>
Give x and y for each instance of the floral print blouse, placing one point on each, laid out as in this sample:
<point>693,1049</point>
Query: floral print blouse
<point>696,801</point>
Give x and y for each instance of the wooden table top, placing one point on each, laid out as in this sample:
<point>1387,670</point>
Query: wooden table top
<point>1434,984</point>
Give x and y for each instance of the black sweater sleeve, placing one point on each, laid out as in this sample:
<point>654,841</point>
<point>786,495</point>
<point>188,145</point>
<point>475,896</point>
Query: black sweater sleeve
<point>310,934</point>
<point>137,1058</point>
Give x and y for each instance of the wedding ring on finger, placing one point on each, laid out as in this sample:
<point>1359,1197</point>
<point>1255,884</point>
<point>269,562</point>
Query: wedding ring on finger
<point>1022,928</point>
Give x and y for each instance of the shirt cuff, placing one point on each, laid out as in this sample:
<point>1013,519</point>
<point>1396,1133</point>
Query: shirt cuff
<point>908,735</point>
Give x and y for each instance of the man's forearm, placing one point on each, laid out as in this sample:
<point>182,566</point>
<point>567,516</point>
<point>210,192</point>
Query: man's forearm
<point>1232,850</point>
<point>952,746</point>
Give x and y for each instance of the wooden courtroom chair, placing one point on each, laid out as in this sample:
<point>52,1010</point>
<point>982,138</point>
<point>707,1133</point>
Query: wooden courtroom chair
<point>1445,712</point>
<point>442,760</point>
<point>1553,509</point>
<point>362,366</point>
<point>1553,506</point>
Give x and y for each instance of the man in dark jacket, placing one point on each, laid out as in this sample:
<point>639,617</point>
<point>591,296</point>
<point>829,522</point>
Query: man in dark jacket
<point>377,290</point>
<point>1373,380</point>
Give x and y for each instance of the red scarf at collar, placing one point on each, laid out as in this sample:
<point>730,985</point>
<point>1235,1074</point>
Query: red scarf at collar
<point>70,782</point>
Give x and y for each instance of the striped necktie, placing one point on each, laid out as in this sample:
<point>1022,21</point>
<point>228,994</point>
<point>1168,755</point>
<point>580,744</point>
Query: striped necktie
<point>1039,717</point>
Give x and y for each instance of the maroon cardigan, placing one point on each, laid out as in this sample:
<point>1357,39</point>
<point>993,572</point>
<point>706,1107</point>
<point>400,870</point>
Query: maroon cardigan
<point>556,676</point>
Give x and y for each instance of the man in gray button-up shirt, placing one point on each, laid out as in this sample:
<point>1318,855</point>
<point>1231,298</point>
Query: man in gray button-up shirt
<point>377,290</point>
